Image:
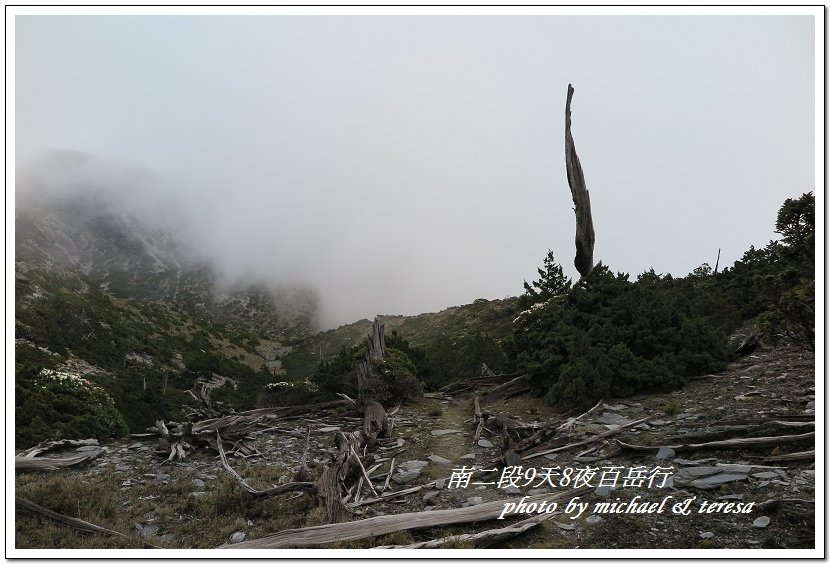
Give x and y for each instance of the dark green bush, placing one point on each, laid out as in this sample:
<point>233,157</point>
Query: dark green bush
<point>608,336</point>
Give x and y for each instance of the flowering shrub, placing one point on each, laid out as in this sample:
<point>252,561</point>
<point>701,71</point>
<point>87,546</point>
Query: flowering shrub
<point>277,394</point>
<point>61,404</point>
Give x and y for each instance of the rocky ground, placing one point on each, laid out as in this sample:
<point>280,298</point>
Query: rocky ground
<point>197,504</point>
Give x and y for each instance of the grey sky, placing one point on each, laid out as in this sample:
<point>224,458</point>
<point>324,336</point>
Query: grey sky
<point>405,164</point>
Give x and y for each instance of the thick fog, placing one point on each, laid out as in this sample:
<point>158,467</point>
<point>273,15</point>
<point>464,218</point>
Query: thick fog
<point>404,164</point>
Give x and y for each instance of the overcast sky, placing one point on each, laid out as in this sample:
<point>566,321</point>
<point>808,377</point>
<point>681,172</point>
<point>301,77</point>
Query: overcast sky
<point>406,164</point>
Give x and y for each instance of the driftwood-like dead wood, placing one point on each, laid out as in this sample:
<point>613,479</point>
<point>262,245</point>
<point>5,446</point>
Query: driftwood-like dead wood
<point>392,495</point>
<point>479,418</point>
<point>26,507</point>
<point>803,455</point>
<point>48,464</point>
<point>749,442</point>
<point>334,474</point>
<point>47,446</point>
<point>375,526</point>
<point>584,260</point>
<point>482,539</point>
<point>590,440</point>
<point>276,490</point>
<point>514,387</point>
<point>375,422</point>
<point>763,429</point>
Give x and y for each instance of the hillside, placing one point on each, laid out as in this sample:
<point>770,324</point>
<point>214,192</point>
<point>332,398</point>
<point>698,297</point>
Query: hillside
<point>108,289</point>
<point>131,490</point>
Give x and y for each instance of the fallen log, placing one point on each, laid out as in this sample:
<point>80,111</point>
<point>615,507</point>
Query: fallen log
<point>47,446</point>
<point>590,440</point>
<point>514,387</point>
<point>479,540</point>
<point>749,442</point>
<point>382,525</point>
<point>26,507</point>
<point>48,464</point>
<point>803,455</point>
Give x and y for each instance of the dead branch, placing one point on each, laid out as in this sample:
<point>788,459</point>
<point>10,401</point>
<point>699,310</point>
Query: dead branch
<point>804,455</point>
<point>382,525</point>
<point>482,539</point>
<point>514,387</point>
<point>750,442</point>
<point>276,490</point>
<point>590,440</point>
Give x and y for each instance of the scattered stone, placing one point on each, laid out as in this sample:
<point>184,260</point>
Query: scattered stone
<point>618,407</point>
<point>197,483</point>
<point>766,475</point>
<point>550,456</point>
<point>603,491</point>
<point>238,536</point>
<point>511,490</point>
<point>566,526</point>
<point>122,468</point>
<point>442,432</point>
<point>198,494</point>
<point>737,497</point>
<point>90,448</point>
<point>761,522</point>
<point>610,418</point>
<point>413,465</point>
<point>474,500</point>
<point>586,459</point>
<point>147,531</point>
<point>709,477</point>
<point>684,462</point>
<point>406,477</point>
<point>536,491</point>
<point>485,443</point>
<point>470,456</point>
<point>439,459</point>
<point>707,535</point>
<point>659,422</point>
<point>512,458</point>
<point>665,453</point>
<point>439,484</point>
<point>593,519</point>
<point>430,496</point>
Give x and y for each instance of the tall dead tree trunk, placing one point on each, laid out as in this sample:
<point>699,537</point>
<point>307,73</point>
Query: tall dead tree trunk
<point>377,344</point>
<point>584,260</point>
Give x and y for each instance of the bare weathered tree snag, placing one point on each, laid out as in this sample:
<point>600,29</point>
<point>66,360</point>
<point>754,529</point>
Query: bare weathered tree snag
<point>584,260</point>
<point>753,442</point>
<point>377,344</point>
<point>385,524</point>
